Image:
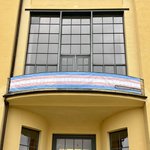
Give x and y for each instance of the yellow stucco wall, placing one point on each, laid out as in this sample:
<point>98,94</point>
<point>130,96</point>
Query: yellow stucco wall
<point>134,124</point>
<point>8,18</point>
<point>137,33</point>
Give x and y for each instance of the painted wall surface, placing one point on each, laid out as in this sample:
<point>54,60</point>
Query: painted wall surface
<point>18,118</point>
<point>143,20</point>
<point>133,121</point>
<point>8,18</point>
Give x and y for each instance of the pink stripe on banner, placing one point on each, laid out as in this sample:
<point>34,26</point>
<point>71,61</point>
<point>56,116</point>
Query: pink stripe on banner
<point>75,76</point>
<point>35,83</point>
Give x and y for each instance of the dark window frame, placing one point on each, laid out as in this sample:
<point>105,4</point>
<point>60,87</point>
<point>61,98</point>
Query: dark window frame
<point>91,137</point>
<point>32,131</point>
<point>114,67</point>
<point>119,132</point>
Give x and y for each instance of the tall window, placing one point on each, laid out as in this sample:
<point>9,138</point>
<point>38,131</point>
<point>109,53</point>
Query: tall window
<point>29,139</point>
<point>89,41</point>
<point>119,140</point>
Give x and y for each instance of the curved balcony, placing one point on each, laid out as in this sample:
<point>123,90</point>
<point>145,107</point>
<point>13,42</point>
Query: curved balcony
<point>77,81</point>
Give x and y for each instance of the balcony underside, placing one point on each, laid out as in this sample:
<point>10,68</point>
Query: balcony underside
<point>75,97</point>
<point>74,108</point>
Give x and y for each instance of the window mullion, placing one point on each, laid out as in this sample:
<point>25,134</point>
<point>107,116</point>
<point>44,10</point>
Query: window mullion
<point>91,60</point>
<point>59,47</point>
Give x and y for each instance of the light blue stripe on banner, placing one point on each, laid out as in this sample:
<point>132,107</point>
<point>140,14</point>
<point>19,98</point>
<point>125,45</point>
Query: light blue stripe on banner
<point>76,73</point>
<point>88,87</point>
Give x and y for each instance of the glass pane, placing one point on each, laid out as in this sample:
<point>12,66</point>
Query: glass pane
<point>66,21</point>
<point>75,49</point>
<point>97,38</point>
<point>97,59</point>
<point>52,59</point>
<point>80,69</point>
<point>64,68</point>
<point>75,21</point>
<point>85,39</point>
<point>65,49</point>
<point>34,28</point>
<point>80,61</point>
<point>70,68</point>
<point>97,48</point>
<point>119,38</point>
<point>70,61</point>
<point>87,145</point>
<point>78,144</point>
<point>115,140</point>
<point>118,28</point>
<point>52,68</point>
<point>120,58</point>
<point>86,61</point>
<point>55,20</point>
<point>44,28</point>
<point>40,69</point>
<point>66,39</point>
<point>54,29</point>
<point>42,48</point>
<point>121,70</point>
<point>64,61</point>
<point>35,19</point>
<point>125,148</point>
<point>97,28</point>
<point>85,21</point>
<point>75,39</point>
<point>66,29</point>
<point>86,68</point>
<point>43,38</point>
<point>44,20</point>
<point>23,148</point>
<point>119,48</point>
<point>97,20</point>
<point>29,70</point>
<point>85,49</point>
<point>108,38</point>
<point>109,69</point>
<point>97,68</point>
<point>108,48</point>
<point>32,48</point>
<point>69,144</point>
<point>24,140</point>
<point>107,20</point>
<point>124,142</point>
<point>108,28</point>
<point>53,48</point>
<point>60,145</point>
<point>75,29</point>
<point>85,29</point>
<point>54,38</point>
<point>109,59</point>
<point>33,38</point>
<point>31,58</point>
<point>118,20</point>
<point>41,59</point>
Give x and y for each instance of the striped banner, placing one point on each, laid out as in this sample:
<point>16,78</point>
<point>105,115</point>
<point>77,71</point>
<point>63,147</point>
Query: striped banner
<point>77,81</point>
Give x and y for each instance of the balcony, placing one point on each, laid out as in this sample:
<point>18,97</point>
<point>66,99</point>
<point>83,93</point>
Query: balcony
<point>77,81</point>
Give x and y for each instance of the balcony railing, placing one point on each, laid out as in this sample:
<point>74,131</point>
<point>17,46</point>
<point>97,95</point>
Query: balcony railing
<point>77,81</point>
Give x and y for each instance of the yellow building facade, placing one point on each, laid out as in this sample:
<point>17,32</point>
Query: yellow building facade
<point>96,105</point>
